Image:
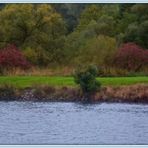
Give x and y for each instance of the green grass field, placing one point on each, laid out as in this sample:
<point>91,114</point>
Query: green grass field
<point>28,81</point>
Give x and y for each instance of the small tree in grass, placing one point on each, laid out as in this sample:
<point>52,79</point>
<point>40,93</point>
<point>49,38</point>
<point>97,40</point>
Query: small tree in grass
<point>86,78</point>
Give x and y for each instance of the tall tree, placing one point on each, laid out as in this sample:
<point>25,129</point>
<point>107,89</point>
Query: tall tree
<point>137,28</point>
<point>35,26</point>
<point>105,16</point>
<point>71,13</point>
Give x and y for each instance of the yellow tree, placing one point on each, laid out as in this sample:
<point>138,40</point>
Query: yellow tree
<point>36,26</point>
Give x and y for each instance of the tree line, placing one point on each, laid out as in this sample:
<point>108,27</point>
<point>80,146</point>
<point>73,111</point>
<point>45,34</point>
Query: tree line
<point>111,36</point>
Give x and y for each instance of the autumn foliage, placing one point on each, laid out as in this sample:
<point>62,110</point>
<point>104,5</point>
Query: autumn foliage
<point>131,57</point>
<point>11,57</point>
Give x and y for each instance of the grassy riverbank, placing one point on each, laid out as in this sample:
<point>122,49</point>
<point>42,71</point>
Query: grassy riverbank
<point>29,81</point>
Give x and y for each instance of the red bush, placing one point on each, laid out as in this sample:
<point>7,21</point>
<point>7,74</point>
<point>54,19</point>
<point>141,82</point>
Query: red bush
<point>131,57</point>
<point>11,57</point>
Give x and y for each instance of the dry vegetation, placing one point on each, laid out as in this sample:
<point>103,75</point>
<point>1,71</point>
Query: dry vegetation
<point>132,93</point>
<point>137,93</point>
<point>36,71</point>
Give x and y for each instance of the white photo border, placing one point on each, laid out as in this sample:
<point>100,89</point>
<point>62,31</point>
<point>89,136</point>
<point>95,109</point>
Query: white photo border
<point>74,1</point>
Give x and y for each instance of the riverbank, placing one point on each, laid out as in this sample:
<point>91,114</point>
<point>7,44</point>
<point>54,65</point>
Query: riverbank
<point>137,93</point>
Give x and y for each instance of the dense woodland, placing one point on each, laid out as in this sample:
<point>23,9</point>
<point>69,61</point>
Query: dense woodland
<point>113,37</point>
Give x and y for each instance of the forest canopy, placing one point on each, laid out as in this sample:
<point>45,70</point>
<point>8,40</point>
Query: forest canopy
<point>73,34</point>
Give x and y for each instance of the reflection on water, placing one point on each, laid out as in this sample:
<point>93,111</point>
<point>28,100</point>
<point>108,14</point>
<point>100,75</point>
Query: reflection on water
<point>72,123</point>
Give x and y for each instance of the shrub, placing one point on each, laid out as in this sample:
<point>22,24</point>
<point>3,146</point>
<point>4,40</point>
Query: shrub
<point>11,57</point>
<point>131,57</point>
<point>86,78</point>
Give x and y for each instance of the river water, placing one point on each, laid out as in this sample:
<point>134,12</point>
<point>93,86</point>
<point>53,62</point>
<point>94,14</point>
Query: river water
<point>73,123</point>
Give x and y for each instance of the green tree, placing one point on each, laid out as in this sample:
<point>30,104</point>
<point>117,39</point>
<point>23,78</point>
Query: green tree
<point>137,33</point>
<point>86,78</point>
<point>133,24</point>
<point>99,50</point>
<point>105,15</point>
<point>71,13</point>
<point>141,11</point>
<point>92,12</point>
<point>106,26</point>
<point>33,26</point>
<point>76,41</point>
